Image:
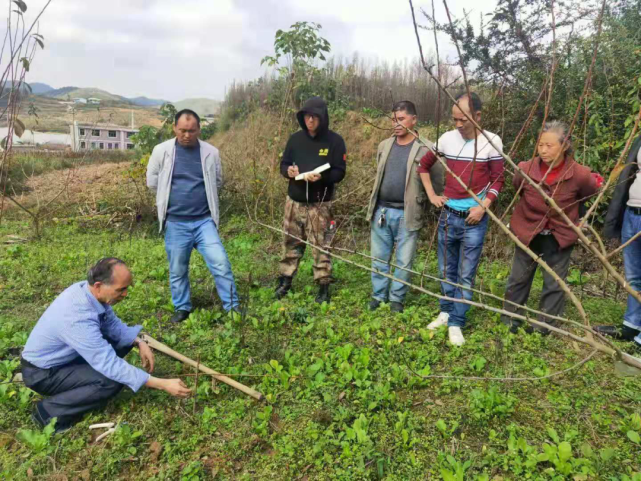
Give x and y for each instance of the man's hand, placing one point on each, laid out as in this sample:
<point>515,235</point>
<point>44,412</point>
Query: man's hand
<point>438,200</point>
<point>292,171</point>
<point>312,177</point>
<point>176,388</point>
<point>146,356</point>
<point>475,214</point>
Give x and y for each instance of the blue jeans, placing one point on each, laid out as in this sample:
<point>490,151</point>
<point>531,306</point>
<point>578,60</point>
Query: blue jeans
<point>180,239</point>
<point>632,264</point>
<point>459,247</point>
<point>383,239</point>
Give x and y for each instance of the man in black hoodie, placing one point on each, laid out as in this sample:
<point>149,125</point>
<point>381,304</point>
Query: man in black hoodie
<point>308,207</point>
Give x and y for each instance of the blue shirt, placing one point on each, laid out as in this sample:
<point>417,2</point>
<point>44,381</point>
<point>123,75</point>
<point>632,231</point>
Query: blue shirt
<point>188,197</point>
<point>76,324</point>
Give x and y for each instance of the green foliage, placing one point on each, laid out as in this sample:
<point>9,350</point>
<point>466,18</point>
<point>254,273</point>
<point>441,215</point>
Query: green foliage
<point>261,423</point>
<point>38,441</point>
<point>147,138</point>
<point>341,395</point>
<point>301,45</point>
<point>491,403</point>
<point>454,470</point>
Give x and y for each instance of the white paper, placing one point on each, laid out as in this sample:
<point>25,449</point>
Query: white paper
<point>317,170</point>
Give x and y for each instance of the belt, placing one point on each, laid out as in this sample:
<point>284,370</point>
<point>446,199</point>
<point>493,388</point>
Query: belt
<point>635,210</point>
<point>457,213</point>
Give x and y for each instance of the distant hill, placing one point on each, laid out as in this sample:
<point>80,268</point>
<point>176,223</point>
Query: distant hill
<point>78,92</point>
<point>75,92</point>
<point>60,93</point>
<point>202,106</point>
<point>38,88</point>
<point>6,92</point>
<point>147,102</point>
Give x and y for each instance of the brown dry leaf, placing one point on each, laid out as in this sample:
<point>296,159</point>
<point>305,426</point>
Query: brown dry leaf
<point>341,396</point>
<point>5,441</point>
<point>85,475</point>
<point>439,403</point>
<point>29,473</point>
<point>156,450</point>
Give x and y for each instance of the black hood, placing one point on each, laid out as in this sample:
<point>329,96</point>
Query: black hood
<point>316,106</point>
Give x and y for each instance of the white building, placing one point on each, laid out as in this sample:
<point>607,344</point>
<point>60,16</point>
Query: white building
<point>101,137</point>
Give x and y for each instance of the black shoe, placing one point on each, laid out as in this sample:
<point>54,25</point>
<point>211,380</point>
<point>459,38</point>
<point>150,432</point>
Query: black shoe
<point>374,304</point>
<point>179,316</point>
<point>37,419</point>
<point>284,286</point>
<point>323,294</point>
<point>396,307</point>
<point>625,333</point>
<point>514,327</point>
<point>544,331</point>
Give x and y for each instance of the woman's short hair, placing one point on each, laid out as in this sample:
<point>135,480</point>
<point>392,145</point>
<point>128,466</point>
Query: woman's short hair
<point>562,131</point>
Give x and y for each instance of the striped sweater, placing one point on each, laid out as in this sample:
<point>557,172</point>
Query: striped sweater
<point>485,177</point>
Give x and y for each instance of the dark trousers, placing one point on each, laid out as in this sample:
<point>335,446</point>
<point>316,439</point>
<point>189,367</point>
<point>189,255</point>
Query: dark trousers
<point>70,390</point>
<point>520,281</point>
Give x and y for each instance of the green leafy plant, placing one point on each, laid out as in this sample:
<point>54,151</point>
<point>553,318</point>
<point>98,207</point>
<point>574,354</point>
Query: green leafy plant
<point>445,430</point>
<point>126,437</point>
<point>38,441</point>
<point>491,403</point>
<point>261,423</point>
<point>454,470</point>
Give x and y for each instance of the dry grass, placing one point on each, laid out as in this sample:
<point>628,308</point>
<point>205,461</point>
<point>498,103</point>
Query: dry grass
<point>82,187</point>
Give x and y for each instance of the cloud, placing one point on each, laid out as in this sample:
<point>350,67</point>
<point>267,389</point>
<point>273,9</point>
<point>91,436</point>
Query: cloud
<point>195,48</point>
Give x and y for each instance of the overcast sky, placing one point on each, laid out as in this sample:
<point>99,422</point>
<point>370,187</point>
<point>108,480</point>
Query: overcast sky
<point>194,48</point>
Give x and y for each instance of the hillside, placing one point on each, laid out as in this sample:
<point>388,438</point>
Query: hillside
<point>147,102</point>
<point>202,106</point>
<point>39,88</point>
<point>66,93</point>
<point>55,116</point>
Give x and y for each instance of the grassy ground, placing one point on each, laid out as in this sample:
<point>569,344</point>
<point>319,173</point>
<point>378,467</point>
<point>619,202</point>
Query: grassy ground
<point>344,399</point>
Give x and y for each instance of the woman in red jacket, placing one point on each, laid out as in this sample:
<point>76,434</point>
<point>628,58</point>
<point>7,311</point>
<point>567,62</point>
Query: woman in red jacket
<point>540,228</point>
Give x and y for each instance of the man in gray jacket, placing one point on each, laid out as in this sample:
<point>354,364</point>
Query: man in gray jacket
<point>397,206</point>
<point>186,173</point>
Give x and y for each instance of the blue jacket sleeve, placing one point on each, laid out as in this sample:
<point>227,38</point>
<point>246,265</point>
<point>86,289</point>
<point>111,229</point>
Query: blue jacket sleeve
<point>116,330</point>
<point>86,338</point>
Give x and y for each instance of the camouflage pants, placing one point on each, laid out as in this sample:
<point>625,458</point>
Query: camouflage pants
<point>310,222</point>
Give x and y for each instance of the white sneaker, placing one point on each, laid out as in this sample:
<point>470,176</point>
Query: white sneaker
<point>456,336</point>
<point>441,320</point>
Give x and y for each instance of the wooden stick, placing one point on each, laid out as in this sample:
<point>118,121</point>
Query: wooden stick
<point>196,388</point>
<point>159,346</point>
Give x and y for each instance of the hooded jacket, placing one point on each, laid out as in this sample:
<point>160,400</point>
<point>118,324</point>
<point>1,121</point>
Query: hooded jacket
<point>614,217</point>
<point>308,153</point>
